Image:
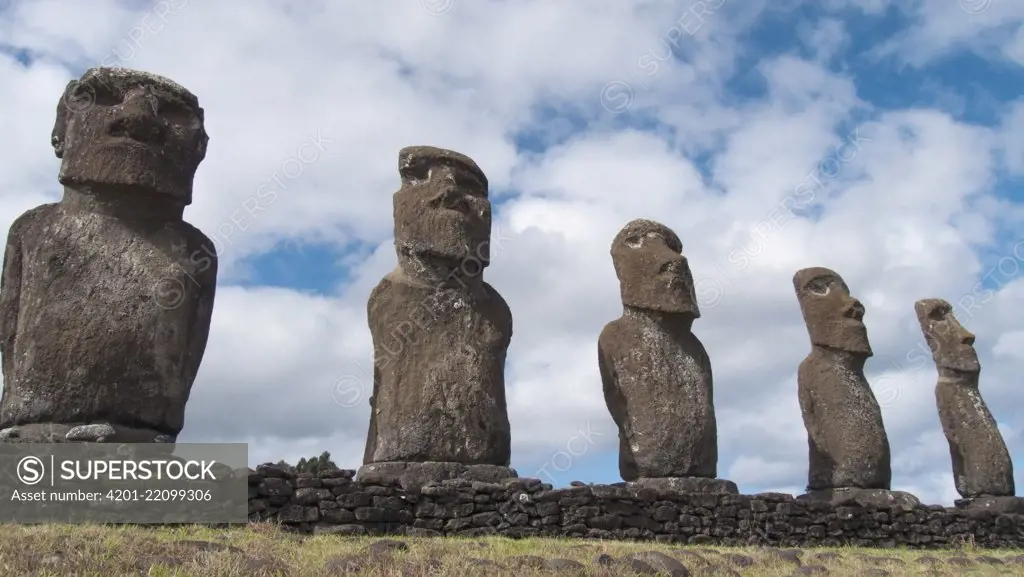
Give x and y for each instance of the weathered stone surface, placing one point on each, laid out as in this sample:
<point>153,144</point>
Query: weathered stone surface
<point>106,433</point>
<point>529,508</point>
<point>843,496</point>
<point>660,562</point>
<point>981,462</point>
<point>655,373</point>
<point>1001,505</point>
<point>846,438</point>
<point>412,475</point>
<point>107,294</point>
<point>686,485</point>
<point>440,332</point>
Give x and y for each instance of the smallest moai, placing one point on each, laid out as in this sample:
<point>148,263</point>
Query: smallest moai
<point>982,468</point>
<point>655,373</point>
<point>848,449</point>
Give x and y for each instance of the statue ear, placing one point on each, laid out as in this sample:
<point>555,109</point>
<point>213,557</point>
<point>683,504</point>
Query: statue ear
<point>61,123</point>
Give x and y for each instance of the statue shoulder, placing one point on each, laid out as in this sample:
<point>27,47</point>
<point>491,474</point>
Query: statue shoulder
<point>31,218</point>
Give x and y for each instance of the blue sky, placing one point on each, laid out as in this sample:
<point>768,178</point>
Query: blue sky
<point>713,140</point>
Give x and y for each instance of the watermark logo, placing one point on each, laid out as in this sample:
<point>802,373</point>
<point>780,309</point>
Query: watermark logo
<point>31,470</point>
<point>975,7</point>
<point>437,7</point>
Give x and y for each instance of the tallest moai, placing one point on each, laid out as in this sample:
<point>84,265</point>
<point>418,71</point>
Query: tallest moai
<point>107,295</point>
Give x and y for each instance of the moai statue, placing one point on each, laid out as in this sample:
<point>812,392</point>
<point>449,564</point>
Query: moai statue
<point>440,333</point>
<point>655,373</point>
<point>107,295</point>
<point>982,469</point>
<point>849,457</point>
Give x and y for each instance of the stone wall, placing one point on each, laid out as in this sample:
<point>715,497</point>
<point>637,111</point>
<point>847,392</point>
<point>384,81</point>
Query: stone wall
<point>332,502</point>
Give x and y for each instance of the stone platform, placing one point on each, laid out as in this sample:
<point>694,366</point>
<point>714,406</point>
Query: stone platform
<point>882,498</point>
<point>408,475</point>
<point>997,504</point>
<point>82,433</point>
<point>685,485</point>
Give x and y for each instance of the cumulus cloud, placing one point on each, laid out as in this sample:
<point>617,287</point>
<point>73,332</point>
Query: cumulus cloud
<point>762,162</point>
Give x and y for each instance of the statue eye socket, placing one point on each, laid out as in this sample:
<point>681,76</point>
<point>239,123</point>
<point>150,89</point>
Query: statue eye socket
<point>103,95</point>
<point>938,314</point>
<point>819,287</point>
<point>635,241</point>
<point>86,95</point>
<point>415,171</point>
<point>176,112</point>
<point>468,183</point>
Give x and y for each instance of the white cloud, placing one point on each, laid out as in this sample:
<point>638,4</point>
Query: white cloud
<point>939,28</point>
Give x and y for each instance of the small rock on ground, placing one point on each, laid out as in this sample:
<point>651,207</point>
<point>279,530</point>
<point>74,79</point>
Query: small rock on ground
<point>660,562</point>
<point>784,555</point>
<point>740,560</point>
<point>387,547</point>
<point>989,560</point>
<point>531,561</point>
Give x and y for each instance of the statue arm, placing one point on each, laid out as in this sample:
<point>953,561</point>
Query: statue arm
<point>207,279</point>
<point>10,283</point>
<point>10,297</point>
<point>609,384</point>
<point>806,398</point>
<point>371,318</point>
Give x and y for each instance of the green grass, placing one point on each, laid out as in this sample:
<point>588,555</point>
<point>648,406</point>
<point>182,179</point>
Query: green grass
<point>263,549</point>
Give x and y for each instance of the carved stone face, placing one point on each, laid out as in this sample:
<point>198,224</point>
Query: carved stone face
<point>442,211</point>
<point>119,127</point>
<point>952,345</point>
<point>653,273</point>
<point>833,317</point>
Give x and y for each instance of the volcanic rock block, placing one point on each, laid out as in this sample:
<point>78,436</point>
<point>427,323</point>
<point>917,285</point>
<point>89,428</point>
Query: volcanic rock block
<point>107,295</point>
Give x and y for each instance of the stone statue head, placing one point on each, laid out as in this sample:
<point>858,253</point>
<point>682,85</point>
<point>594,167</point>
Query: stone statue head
<point>653,273</point>
<point>834,318</point>
<point>442,212</point>
<point>123,129</point>
<point>952,345</point>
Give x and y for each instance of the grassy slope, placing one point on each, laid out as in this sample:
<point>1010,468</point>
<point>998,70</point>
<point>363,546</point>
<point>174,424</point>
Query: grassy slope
<point>108,551</point>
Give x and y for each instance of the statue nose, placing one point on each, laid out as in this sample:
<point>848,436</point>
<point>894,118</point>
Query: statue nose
<point>138,120</point>
<point>855,310</point>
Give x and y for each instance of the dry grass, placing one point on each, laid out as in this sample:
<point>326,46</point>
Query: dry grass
<point>109,551</point>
